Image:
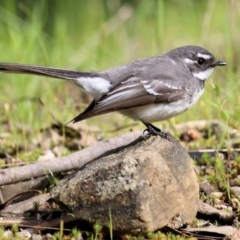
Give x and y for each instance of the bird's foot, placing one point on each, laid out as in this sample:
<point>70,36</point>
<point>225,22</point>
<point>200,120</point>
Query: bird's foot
<point>151,130</point>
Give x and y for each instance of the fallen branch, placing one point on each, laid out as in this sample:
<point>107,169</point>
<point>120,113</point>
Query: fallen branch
<point>66,163</point>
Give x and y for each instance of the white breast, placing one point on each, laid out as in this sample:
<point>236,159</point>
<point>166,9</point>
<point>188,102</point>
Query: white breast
<point>155,112</point>
<point>196,96</point>
<point>161,111</point>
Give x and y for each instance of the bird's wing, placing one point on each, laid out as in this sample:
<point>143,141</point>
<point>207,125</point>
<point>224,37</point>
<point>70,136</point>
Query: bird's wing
<point>135,92</point>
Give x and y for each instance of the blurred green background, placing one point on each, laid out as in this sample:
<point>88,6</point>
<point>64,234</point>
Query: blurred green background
<point>99,34</point>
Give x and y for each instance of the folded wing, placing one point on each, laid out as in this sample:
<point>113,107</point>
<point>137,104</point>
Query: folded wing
<point>135,92</point>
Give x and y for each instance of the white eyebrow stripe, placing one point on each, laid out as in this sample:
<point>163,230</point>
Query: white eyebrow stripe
<point>187,60</point>
<point>205,56</point>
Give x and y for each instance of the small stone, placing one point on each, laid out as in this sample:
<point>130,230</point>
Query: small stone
<point>217,195</point>
<point>206,187</point>
<point>233,236</point>
<point>235,203</point>
<point>37,237</point>
<point>229,208</point>
<point>222,206</point>
<point>235,191</point>
<point>209,170</point>
<point>190,135</point>
<point>235,181</point>
<point>47,155</point>
<point>78,237</point>
<point>218,204</point>
<point>48,236</point>
<point>23,235</point>
<point>7,234</point>
<point>207,211</point>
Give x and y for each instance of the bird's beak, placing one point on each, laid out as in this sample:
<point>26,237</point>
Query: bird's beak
<point>219,63</point>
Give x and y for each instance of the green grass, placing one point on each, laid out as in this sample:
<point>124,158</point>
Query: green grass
<point>96,35</point>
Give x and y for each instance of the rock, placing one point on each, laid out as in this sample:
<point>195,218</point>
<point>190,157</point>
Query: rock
<point>37,237</point>
<point>234,235</point>
<point>23,206</point>
<point>235,182</point>
<point>48,236</point>
<point>7,234</point>
<point>143,186</point>
<point>24,235</point>
<point>206,211</point>
<point>206,187</point>
<point>235,191</point>
<point>216,195</point>
<point>221,230</point>
<point>208,128</point>
<point>9,191</point>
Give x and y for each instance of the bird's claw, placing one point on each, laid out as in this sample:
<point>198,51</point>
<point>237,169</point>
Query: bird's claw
<point>151,130</point>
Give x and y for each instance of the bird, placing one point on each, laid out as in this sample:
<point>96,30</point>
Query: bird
<point>148,90</point>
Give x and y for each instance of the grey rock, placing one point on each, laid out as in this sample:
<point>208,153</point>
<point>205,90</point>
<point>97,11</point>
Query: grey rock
<point>24,235</point>
<point>217,195</point>
<point>7,234</point>
<point>12,190</point>
<point>235,182</point>
<point>143,186</point>
<point>206,187</point>
<point>235,190</point>
<point>222,230</point>
<point>48,236</point>
<point>207,211</point>
<point>37,237</point>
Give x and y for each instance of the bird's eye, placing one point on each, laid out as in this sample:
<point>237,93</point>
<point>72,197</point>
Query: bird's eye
<point>201,61</point>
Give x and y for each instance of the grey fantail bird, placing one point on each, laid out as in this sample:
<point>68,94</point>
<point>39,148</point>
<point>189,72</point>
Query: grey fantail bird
<point>149,90</point>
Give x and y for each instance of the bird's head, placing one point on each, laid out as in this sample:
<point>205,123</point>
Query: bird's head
<point>199,60</point>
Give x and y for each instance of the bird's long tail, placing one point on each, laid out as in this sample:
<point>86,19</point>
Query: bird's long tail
<point>43,71</point>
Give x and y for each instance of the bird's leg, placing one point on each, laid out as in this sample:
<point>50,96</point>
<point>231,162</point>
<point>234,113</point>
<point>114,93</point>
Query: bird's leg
<point>152,130</point>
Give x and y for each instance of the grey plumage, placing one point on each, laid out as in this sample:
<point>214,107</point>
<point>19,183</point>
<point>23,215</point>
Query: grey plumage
<point>148,90</point>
